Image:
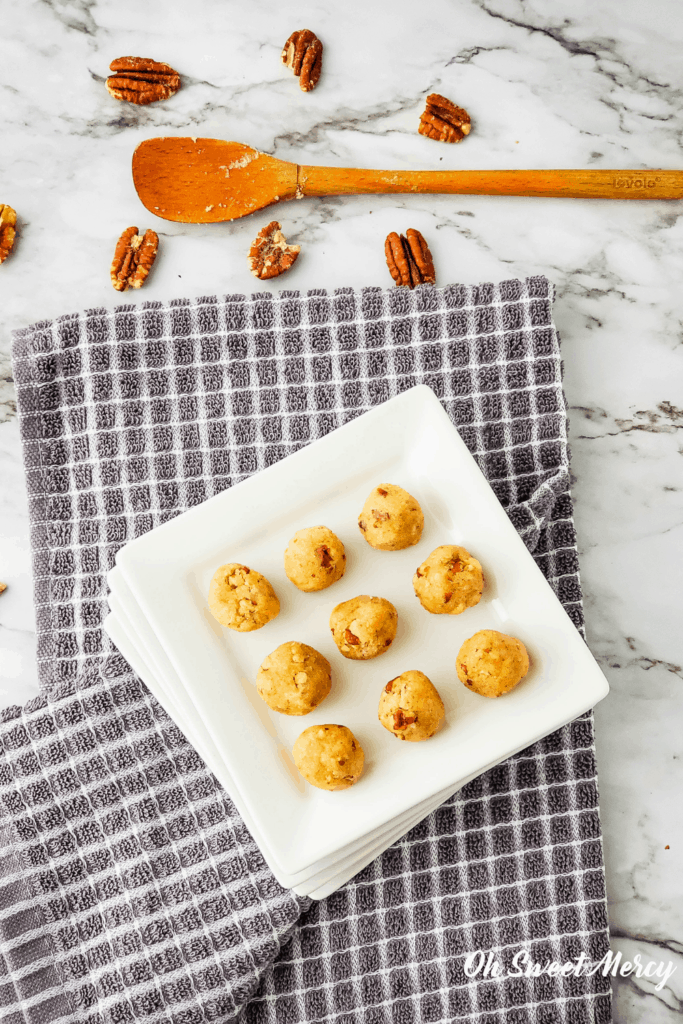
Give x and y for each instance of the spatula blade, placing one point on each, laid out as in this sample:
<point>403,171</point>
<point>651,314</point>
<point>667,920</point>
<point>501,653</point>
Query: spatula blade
<point>204,181</point>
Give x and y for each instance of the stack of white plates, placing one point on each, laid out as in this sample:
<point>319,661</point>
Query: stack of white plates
<point>204,675</point>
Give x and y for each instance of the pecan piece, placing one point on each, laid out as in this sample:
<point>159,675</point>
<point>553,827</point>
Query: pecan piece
<point>443,120</point>
<point>455,565</point>
<point>303,53</point>
<point>409,259</point>
<point>325,556</point>
<point>402,721</point>
<point>133,258</point>
<point>379,516</point>
<point>8,220</point>
<point>141,80</point>
<point>270,255</point>
<point>351,638</point>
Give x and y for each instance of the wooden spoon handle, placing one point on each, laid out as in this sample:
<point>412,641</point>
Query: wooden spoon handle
<point>576,184</point>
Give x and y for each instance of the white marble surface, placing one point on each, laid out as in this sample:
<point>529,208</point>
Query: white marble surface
<point>548,84</point>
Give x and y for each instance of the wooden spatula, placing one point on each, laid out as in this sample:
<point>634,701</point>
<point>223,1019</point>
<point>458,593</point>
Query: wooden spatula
<point>202,181</point>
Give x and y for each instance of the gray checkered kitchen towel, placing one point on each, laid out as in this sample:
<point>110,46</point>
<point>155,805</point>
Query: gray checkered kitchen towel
<point>131,890</point>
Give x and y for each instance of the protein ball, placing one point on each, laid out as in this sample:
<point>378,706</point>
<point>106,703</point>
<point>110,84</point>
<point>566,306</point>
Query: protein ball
<point>391,519</point>
<point>294,679</point>
<point>364,627</point>
<point>410,707</point>
<point>491,663</point>
<point>449,581</point>
<point>241,598</point>
<point>329,756</point>
<point>315,559</point>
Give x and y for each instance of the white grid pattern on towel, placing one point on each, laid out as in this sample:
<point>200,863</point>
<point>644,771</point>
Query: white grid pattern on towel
<point>139,874</point>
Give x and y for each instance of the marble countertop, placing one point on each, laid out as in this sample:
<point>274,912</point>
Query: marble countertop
<point>548,84</point>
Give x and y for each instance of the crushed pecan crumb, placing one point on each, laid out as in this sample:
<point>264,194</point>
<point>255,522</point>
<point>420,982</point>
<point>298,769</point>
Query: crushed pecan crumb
<point>8,221</point>
<point>409,259</point>
<point>351,638</point>
<point>381,516</point>
<point>443,120</point>
<point>362,525</point>
<point>455,565</point>
<point>447,596</point>
<point>380,490</point>
<point>325,556</point>
<point>303,53</point>
<point>270,255</point>
<point>141,80</point>
<point>418,574</point>
<point>133,258</point>
<point>402,721</point>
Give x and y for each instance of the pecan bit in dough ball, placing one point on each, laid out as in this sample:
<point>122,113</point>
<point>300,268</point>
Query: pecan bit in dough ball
<point>241,598</point>
<point>315,559</point>
<point>449,581</point>
<point>391,519</point>
<point>364,627</point>
<point>294,679</point>
<point>491,663</point>
<point>410,707</point>
<point>329,756</point>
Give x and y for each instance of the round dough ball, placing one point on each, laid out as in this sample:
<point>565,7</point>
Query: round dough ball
<point>492,663</point>
<point>410,707</point>
<point>364,626</point>
<point>449,581</point>
<point>241,598</point>
<point>315,559</point>
<point>329,756</point>
<point>391,519</point>
<point>294,679</point>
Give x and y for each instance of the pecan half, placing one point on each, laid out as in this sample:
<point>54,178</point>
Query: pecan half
<point>303,53</point>
<point>141,80</point>
<point>270,255</point>
<point>409,259</point>
<point>133,258</point>
<point>443,121</point>
<point>402,721</point>
<point>8,220</point>
<point>325,556</point>
<point>351,638</point>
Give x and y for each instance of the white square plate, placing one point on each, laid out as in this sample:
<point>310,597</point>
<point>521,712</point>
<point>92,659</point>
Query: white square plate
<point>409,441</point>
